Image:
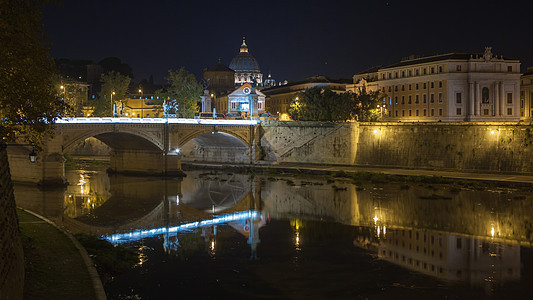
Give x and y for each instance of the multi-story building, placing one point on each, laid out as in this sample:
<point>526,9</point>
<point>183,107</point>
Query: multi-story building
<point>246,67</point>
<point>526,95</point>
<point>279,98</point>
<point>447,87</point>
<point>244,101</point>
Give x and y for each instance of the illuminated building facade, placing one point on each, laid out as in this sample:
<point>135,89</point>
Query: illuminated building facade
<point>448,87</point>
<point>245,100</point>
<point>246,67</point>
<point>279,98</point>
<point>526,95</point>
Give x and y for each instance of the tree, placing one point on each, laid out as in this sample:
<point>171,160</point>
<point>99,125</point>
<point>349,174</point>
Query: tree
<point>322,104</point>
<point>29,104</point>
<point>74,94</point>
<point>112,82</point>
<point>183,93</point>
<point>367,105</point>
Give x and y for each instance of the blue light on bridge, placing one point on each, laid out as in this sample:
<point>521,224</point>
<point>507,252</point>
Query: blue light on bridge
<point>110,120</point>
<point>140,234</point>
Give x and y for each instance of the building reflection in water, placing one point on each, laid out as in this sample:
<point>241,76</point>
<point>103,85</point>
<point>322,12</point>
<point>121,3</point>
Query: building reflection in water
<point>87,191</point>
<point>475,261</point>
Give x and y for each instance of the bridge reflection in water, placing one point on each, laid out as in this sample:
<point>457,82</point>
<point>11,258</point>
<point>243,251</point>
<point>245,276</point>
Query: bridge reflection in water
<point>469,237</point>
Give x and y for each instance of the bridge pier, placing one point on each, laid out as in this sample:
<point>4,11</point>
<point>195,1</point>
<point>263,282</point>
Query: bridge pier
<point>144,162</point>
<point>47,171</point>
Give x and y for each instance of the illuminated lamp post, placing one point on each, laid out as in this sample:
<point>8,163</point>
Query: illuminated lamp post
<point>142,102</point>
<point>112,110</point>
<point>33,154</point>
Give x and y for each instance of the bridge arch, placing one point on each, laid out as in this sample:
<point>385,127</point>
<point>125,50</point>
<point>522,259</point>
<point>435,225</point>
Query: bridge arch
<point>241,134</point>
<point>116,138</point>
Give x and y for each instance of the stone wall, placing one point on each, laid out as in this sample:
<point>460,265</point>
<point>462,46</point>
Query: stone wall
<point>506,147</point>
<point>11,255</point>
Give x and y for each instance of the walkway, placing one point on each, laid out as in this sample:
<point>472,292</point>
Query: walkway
<point>54,266</point>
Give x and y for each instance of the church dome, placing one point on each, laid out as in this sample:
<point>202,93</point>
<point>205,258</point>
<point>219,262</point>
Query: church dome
<point>244,61</point>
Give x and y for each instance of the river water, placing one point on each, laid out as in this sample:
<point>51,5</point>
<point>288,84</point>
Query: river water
<point>216,235</point>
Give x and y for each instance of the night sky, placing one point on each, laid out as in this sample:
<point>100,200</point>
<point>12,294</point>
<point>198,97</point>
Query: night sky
<point>291,40</point>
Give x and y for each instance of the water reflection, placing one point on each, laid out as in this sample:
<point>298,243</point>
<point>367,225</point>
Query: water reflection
<point>468,237</point>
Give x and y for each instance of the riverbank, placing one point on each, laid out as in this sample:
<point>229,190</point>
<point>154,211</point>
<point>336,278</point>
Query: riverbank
<point>54,266</point>
<point>316,169</point>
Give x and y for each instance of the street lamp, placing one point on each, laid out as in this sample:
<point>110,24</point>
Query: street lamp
<point>112,110</point>
<point>142,103</point>
<point>33,154</point>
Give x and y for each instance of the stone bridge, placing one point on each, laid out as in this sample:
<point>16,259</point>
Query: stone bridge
<point>139,146</point>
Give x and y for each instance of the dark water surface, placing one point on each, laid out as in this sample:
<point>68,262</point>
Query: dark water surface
<point>222,235</point>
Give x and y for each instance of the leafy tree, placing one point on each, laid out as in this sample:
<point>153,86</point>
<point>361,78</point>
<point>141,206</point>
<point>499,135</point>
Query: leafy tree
<point>322,104</point>
<point>183,92</point>
<point>29,101</point>
<point>29,104</point>
<point>74,94</point>
<point>112,82</point>
<point>367,105</point>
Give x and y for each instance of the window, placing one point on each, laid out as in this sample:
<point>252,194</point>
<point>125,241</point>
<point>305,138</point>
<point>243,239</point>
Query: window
<point>410,73</point>
<point>396,112</point>
<point>424,112</point>
<point>403,99</point>
<point>441,98</point>
<point>486,111</point>
<point>425,100</point>
<point>432,70</point>
<point>440,111</point>
<point>458,99</point>
<point>395,88</point>
<point>440,84</point>
<point>424,85</point>
<point>432,98</point>
<point>509,111</point>
<point>403,73</point>
<point>396,99</point>
<point>485,95</point>
<point>403,87</point>
<point>509,68</point>
<point>459,243</point>
<point>424,71</point>
<point>416,86</point>
<point>390,89</point>
<point>410,113</point>
<point>403,113</point>
<point>432,112</point>
<point>458,68</point>
<point>509,98</point>
<point>259,105</point>
<point>409,100</point>
<point>417,72</point>
<point>409,87</point>
<point>458,112</point>
<point>416,112</point>
<point>390,76</point>
<point>390,113</point>
<point>233,105</point>
<point>432,84</point>
<point>440,69</point>
<point>417,99</point>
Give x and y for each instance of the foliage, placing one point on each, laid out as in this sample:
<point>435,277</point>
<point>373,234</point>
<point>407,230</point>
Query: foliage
<point>74,94</point>
<point>183,93</point>
<point>111,82</point>
<point>367,105</point>
<point>29,101</point>
<point>322,104</point>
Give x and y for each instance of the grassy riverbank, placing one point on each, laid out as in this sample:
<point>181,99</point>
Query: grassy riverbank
<point>54,268</point>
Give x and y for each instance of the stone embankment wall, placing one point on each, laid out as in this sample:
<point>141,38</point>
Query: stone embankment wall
<point>11,255</point>
<point>459,146</point>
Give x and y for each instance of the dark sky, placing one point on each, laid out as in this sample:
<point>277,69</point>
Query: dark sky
<point>290,39</point>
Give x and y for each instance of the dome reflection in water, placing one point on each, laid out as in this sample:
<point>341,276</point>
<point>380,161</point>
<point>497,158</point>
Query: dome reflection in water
<point>217,234</point>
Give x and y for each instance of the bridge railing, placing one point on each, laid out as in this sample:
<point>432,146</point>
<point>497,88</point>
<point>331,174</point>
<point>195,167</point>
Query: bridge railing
<point>110,120</point>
